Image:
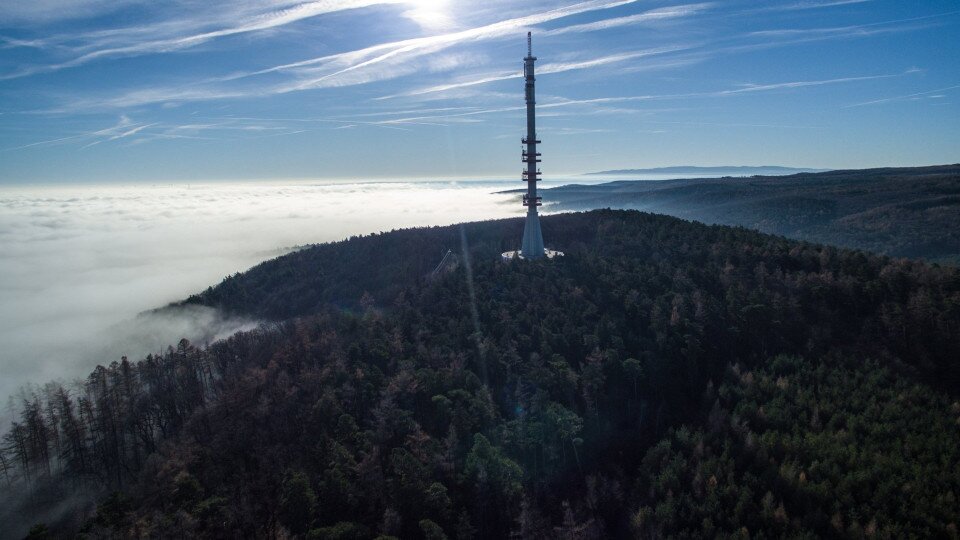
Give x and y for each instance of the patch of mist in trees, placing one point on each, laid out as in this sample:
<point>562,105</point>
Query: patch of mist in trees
<point>150,332</point>
<point>154,331</point>
<point>69,444</point>
<point>48,503</point>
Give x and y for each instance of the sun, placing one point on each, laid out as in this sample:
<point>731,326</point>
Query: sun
<point>430,14</point>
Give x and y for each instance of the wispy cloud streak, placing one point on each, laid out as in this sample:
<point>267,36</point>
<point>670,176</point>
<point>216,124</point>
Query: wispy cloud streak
<point>748,89</point>
<point>252,23</point>
<point>908,97</point>
<point>813,5</point>
<point>858,30</point>
<point>801,84</point>
<point>124,128</point>
<point>564,103</point>
<point>547,69</point>
<point>375,63</point>
<point>444,116</point>
<point>660,14</point>
<point>43,143</point>
<point>332,70</point>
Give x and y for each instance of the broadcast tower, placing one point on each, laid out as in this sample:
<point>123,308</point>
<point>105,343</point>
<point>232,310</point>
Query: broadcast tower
<point>532,246</point>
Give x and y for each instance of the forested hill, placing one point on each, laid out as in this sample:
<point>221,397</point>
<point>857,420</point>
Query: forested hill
<point>664,378</point>
<point>702,171</point>
<point>902,212</point>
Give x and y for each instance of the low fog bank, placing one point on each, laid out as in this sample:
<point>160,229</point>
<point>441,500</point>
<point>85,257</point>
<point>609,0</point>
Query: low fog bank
<point>82,265</point>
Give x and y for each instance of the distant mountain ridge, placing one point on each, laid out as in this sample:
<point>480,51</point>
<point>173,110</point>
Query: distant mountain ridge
<point>738,170</point>
<point>900,212</point>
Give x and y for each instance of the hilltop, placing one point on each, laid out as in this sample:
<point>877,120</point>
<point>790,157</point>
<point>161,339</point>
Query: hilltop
<point>664,378</point>
<point>901,212</point>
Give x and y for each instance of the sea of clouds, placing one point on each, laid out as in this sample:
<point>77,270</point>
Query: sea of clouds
<point>80,265</point>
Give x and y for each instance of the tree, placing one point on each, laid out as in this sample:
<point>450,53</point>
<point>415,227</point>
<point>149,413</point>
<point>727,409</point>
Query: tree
<point>298,503</point>
<point>431,531</point>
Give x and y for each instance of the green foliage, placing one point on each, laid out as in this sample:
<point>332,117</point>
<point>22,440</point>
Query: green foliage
<point>342,530</point>
<point>488,467</point>
<point>38,532</point>
<point>809,449</point>
<point>431,531</point>
<point>186,489</point>
<point>298,503</point>
<point>212,512</point>
<point>112,512</point>
<point>437,500</point>
<point>465,530</point>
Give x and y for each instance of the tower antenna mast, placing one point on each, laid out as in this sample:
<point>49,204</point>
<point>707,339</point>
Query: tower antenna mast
<point>532,245</point>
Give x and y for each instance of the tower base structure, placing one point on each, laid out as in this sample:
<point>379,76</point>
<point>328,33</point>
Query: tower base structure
<point>508,256</point>
<point>532,245</point>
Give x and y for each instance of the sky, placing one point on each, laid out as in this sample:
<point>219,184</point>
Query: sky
<point>192,90</point>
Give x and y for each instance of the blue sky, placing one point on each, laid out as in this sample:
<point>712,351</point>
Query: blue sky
<point>192,90</point>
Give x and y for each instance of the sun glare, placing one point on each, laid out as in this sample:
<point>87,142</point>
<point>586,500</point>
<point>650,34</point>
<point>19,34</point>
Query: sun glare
<point>430,14</point>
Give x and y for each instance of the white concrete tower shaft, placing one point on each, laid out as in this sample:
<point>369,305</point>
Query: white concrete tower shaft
<point>532,245</point>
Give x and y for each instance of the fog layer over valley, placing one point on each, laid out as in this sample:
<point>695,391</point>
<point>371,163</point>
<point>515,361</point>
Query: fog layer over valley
<point>80,263</point>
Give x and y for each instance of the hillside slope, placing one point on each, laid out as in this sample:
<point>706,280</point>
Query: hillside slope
<point>902,212</point>
<point>664,378</point>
